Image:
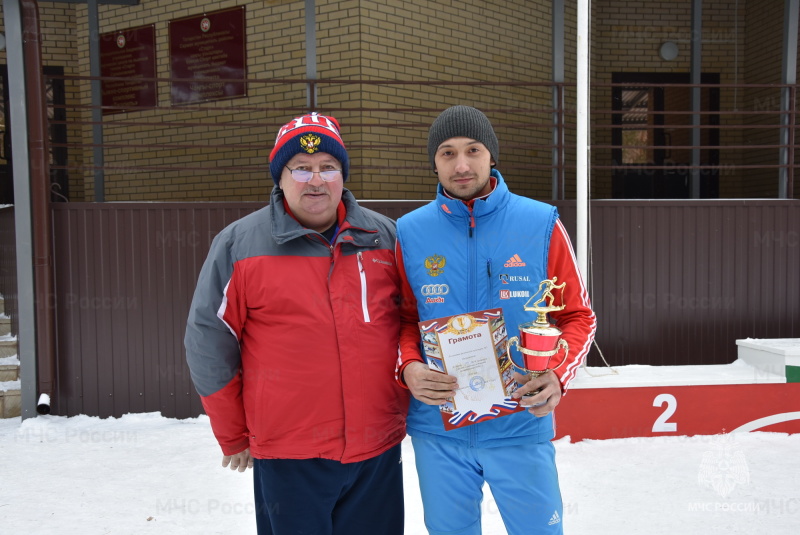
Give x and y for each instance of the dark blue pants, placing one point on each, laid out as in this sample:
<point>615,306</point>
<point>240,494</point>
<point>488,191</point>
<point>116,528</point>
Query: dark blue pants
<point>324,497</point>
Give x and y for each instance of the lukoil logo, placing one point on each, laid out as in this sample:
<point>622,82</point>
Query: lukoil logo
<point>509,294</point>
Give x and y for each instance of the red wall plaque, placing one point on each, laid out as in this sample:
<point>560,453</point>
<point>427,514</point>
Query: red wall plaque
<point>208,57</point>
<point>128,54</point>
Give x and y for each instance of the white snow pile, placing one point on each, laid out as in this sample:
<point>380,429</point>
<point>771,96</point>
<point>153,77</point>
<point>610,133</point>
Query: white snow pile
<point>143,474</point>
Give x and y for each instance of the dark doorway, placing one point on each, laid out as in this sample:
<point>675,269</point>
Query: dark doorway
<point>6,176</point>
<point>648,115</point>
<point>56,115</point>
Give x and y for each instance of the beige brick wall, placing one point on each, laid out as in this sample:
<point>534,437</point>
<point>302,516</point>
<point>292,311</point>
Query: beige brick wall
<point>57,30</point>
<point>469,41</point>
<point>220,148</point>
<point>357,40</point>
<point>762,61</point>
<point>627,37</point>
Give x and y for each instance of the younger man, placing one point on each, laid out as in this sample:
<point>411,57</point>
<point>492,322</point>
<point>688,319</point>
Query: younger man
<point>486,240</point>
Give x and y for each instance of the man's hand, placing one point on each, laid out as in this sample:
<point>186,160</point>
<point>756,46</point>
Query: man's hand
<point>241,461</point>
<point>544,402</point>
<point>428,386</point>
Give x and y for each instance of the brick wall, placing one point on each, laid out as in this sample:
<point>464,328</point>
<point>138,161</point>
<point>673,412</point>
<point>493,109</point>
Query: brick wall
<point>57,29</point>
<point>627,37</point>
<point>454,41</point>
<point>762,62</point>
<point>220,157</point>
<point>419,40</point>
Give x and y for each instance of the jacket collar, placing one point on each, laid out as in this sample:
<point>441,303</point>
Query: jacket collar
<point>354,225</point>
<point>481,206</point>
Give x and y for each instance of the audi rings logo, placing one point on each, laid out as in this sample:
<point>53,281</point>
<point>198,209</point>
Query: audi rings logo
<point>435,289</point>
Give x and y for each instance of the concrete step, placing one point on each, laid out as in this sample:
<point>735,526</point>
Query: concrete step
<point>8,348</point>
<point>5,325</point>
<point>10,396</point>
<point>9,372</point>
<point>10,400</point>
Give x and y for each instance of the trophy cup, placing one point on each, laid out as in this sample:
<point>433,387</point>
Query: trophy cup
<point>539,341</point>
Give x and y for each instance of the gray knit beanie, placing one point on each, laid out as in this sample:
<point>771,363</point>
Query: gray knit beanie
<point>462,121</point>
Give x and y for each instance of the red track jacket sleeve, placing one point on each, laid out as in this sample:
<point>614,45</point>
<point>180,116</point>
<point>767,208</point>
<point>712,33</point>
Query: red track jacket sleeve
<point>577,321</point>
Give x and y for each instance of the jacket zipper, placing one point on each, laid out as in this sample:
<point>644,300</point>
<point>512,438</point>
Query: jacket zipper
<point>491,280</point>
<point>363,276</point>
<point>474,277</point>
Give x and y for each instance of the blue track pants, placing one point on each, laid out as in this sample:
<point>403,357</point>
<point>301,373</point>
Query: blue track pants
<point>523,480</point>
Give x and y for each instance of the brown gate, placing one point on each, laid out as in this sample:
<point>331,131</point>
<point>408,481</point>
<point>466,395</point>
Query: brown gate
<point>673,282</point>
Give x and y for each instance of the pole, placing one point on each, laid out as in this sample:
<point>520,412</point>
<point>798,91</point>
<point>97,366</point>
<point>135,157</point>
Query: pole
<point>788,78</point>
<point>558,99</point>
<point>23,219</point>
<point>696,79</point>
<point>97,101</point>
<point>311,54</point>
<point>582,138</point>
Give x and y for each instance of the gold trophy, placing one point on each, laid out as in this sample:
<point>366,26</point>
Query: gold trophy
<point>539,341</point>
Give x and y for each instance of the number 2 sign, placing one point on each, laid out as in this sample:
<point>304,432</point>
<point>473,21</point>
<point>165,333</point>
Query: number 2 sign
<point>601,413</point>
<point>662,425</point>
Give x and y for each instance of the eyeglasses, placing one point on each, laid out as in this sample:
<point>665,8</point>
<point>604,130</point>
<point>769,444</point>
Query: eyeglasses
<point>304,175</point>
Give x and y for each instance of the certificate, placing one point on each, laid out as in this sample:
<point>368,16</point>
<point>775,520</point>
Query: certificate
<point>472,347</point>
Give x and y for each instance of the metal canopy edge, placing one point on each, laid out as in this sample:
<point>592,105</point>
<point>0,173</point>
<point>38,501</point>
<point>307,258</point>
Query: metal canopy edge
<point>108,2</point>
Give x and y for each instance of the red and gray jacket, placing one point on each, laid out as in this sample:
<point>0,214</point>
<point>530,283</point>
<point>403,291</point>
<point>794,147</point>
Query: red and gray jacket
<point>291,340</point>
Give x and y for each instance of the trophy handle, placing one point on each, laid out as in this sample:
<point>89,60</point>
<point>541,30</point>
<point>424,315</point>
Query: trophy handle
<point>511,341</point>
<point>562,344</point>
<point>514,341</point>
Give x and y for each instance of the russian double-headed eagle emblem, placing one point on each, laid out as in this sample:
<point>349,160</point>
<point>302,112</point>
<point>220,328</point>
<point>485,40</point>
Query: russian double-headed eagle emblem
<point>310,143</point>
<point>435,265</point>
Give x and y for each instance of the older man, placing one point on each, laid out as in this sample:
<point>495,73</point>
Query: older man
<point>291,340</point>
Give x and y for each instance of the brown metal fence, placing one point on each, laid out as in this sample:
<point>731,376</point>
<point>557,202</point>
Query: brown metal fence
<point>678,282</point>
<point>672,282</point>
<point>125,275</point>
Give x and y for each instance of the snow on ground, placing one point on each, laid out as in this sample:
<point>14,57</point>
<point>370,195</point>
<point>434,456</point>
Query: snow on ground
<point>143,474</point>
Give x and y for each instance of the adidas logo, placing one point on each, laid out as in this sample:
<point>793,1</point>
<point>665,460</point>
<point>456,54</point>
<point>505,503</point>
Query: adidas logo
<point>555,519</point>
<point>514,261</point>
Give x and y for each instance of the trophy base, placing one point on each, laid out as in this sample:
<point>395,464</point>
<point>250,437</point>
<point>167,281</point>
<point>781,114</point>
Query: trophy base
<point>534,375</point>
<point>531,394</point>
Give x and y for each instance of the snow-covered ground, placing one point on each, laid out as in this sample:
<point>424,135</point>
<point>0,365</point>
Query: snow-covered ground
<point>143,473</point>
